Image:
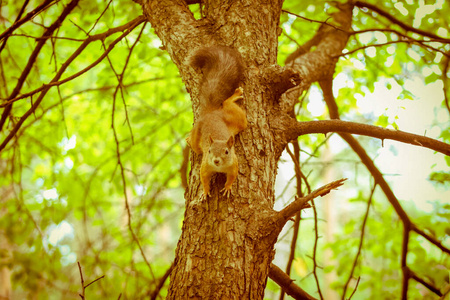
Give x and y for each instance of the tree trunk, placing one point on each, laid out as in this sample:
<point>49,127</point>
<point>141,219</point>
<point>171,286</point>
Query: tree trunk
<point>227,245</point>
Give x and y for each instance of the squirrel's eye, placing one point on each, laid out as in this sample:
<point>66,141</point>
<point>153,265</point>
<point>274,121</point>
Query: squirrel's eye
<point>226,151</point>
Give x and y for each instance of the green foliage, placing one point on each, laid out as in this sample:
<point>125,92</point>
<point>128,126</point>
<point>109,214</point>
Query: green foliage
<point>440,177</point>
<point>376,73</point>
<point>63,198</point>
<point>69,200</point>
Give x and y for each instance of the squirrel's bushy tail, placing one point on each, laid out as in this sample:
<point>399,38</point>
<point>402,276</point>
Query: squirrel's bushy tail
<point>222,69</point>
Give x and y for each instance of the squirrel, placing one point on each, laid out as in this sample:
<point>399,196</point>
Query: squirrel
<point>220,118</point>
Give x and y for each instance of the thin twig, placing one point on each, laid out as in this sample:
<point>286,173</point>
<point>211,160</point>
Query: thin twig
<point>19,15</point>
<point>82,281</point>
<point>83,286</point>
<point>314,21</point>
<point>101,15</point>
<point>28,17</point>
<point>286,213</point>
<point>431,239</point>
<point>428,285</point>
<point>120,78</point>
<point>407,41</point>
<point>101,36</point>
<point>55,79</point>
<point>32,59</point>
<point>298,175</point>
<point>363,229</point>
<point>162,280</point>
<point>124,186</point>
<point>376,8</point>
<point>95,280</point>
<point>316,241</point>
<point>356,286</point>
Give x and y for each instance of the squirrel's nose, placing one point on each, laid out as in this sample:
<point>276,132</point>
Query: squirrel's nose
<point>216,161</point>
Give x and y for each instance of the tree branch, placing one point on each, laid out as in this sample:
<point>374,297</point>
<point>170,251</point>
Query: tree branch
<point>431,239</point>
<point>122,168</point>
<point>326,126</point>
<point>428,285</point>
<point>92,38</point>
<point>25,19</point>
<point>314,255</point>
<point>377,9</point>
<point>286,213</point>
<point>19,15</point>
<point>58,75</point>
<point>47,33</point>
<point>287,284</point>
<point>329,41</point>
<point>359,150</point>
<point>403,259</point>
<point>162,280</point>
<point>361,239</point>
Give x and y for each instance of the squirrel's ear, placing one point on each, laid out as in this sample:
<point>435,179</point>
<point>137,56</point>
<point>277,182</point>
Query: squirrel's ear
<point>211,139</point>
<point>230,142</point>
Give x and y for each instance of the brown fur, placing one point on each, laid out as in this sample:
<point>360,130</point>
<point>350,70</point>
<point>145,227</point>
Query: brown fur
<point>220,117</point>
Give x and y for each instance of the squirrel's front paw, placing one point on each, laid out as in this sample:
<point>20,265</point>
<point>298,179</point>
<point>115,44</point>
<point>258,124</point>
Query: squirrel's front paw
<point>238,92</point>
<point>226,192</point>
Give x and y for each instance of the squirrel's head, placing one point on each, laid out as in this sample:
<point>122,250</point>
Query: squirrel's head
<point>221,153</point>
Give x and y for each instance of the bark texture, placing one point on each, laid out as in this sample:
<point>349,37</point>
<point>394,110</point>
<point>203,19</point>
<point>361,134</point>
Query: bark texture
<point>226,245</point>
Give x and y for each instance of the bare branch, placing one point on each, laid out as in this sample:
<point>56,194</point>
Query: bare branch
<point>83,286</point>
<point>101,36</point>
<point>287,284</point>
<point>312,20</point>
<point>93,281</point>
<point>354,291</point>
<point>361,238</point>
<point>299,176</point>
<point>19,15</point>
<point>326,126</point>
<point>119,161</point>
<point>314,256</point>
<point>286,213</point>
<point>377,9</point>
<point>407,40</point>
<point>58,75</point>
<point>47,33</point>
<point>161,282</point>
<point>426,284</point>
<point>25,19</point>
<point>431,239</point>
<point>82,281</point>
<point>379,179</point>
<point>404,255</point>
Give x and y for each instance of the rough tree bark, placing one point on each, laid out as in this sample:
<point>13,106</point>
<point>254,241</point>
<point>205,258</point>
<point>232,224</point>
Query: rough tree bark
<point>226,246</point>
